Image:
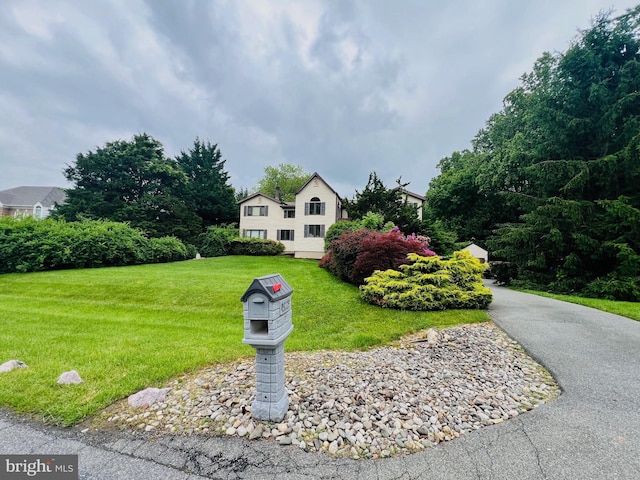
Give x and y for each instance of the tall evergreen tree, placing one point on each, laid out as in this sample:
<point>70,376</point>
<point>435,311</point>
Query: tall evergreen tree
<point>130,181</point>
<point>207,191</point>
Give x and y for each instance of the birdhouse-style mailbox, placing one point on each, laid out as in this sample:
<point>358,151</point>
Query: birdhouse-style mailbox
<point>267,323</point>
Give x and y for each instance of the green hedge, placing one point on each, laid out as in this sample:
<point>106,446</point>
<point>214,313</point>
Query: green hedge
<point>255,246</point>
<point>430,283</point>
<point>29,245</point>
<point>216,242</point>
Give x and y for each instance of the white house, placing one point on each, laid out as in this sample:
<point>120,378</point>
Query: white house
<point>478,252</point>
<point>299,225</point>
<point>415,200</point>
<point>37,202</point>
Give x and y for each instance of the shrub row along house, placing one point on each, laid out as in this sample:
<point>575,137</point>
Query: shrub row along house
<point>302,224</point>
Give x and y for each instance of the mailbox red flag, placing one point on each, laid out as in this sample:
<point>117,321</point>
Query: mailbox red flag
<point>276,287</point>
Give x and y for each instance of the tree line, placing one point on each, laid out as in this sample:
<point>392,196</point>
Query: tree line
<point>552,182</point>
<point>133,181</point>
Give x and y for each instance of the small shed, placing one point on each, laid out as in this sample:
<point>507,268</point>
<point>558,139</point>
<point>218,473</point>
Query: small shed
<point>478,252</point>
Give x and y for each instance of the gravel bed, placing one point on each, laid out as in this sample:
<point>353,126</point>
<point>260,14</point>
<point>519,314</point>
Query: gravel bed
<point>428,388</point>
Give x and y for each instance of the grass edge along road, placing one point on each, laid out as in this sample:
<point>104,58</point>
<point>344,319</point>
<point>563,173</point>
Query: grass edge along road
<point>127,328</point>
<point>625,309</point>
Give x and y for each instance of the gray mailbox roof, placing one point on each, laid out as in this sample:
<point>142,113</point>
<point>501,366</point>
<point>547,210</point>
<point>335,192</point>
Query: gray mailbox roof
<point>273,286</point>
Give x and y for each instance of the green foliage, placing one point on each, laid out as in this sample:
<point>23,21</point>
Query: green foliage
<point>217,240</point>
<point>430,283</point>
<point>255,246</point>
<point>207,191</point>
<point>131,181</point>
<point>377,199</point>
<point>29,245</point>
<point>612,288</point>
<point>166,249</point>
<point>372,221</point>
<point>337,229</point>
<point>289,178</point>
<point>553,181</point>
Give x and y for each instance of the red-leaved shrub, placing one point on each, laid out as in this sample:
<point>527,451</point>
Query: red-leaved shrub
<point>354,256</point>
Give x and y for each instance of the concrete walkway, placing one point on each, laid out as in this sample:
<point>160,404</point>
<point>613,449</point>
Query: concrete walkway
<point>591,432</point>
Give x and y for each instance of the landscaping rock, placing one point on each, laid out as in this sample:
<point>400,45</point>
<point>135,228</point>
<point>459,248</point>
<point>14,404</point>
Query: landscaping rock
<point>372,404</point>
<point>11,365</point>
<point>69,377</point>
<point>147,397</point>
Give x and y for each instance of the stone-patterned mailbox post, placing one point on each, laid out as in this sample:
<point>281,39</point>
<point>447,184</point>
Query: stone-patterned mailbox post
<point>267,323</point>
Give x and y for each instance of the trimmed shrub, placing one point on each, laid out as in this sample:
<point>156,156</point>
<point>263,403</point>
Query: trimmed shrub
<point>383,251</point>
<point>255,246</point>
<point>337,229</point>
<point>356,255</point>
<point>430,283</point>
<point>342,256</point>
<point>217,240</point>
<point>29,245</point>
<point>166,249</point>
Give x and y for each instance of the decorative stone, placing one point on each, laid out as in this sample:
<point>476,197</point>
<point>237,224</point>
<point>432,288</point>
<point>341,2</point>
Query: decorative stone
<point>69,377</point>
<point>147,397</point>
<point>11,365</point>
<point>435,384</point>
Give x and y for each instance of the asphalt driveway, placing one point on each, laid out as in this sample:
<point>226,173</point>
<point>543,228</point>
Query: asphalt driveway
<point>592,431</point>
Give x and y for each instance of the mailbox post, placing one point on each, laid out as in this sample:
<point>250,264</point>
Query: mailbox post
<point>267,323</point>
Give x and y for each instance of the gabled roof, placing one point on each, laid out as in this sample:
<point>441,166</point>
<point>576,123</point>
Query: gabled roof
<point>315,175</point>
<point>29,196</point>
<point>257,194</point>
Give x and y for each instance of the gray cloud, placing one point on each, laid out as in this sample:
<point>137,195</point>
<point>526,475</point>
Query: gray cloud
<point>342,88</point>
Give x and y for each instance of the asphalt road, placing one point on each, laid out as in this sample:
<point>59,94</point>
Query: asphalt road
<point>592,431</point>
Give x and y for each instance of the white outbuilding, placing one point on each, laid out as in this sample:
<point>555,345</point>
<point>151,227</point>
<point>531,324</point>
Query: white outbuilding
<point>478,252</point>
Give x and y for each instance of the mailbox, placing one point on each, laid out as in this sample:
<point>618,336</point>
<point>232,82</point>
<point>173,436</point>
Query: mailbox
<point>267,323</point>
<point>267,311</point>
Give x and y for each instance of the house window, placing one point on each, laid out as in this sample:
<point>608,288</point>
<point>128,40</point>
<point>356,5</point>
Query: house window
<point>314,231</point>
<point>254,234</point>
<point>261,211</point>
<point>314,207</point>
<point>38,212</point>
<point>286,235</point>
<point>290,213</point>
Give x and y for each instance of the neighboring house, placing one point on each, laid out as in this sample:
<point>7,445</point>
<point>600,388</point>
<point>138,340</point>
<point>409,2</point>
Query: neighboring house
<point>300,225</point>
<point>415,200</point>
<point>35,202</point>
<point>478,252</point>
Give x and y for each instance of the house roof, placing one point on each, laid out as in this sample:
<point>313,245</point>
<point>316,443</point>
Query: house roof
<point>412,194</point>
<point>29,196</point>
<point>316,175</point>
<point>288,204</point>
<point>257,194</point>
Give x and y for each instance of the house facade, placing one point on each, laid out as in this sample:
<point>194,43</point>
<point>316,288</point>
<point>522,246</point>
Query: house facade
<point>35,202</point>
<point>300,225</point>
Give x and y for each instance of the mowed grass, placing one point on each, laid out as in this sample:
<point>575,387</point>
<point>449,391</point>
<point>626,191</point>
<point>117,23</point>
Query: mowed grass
<point>128,328</point>
<point>625,309</point>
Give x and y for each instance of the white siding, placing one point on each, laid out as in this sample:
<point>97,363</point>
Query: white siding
<point>272,222</point>
<point>478,252</point>
<point>308,247</point>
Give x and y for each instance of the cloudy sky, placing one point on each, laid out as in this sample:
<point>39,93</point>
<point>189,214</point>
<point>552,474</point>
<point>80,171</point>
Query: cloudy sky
<point>341,87</point>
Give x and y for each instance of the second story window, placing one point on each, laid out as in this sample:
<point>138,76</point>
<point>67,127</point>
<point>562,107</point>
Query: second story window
<point>314,207</point>
<point>259,211</point>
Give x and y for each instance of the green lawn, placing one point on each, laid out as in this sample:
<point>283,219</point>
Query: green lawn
<point>626,309</point>
<point>124,329</point>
